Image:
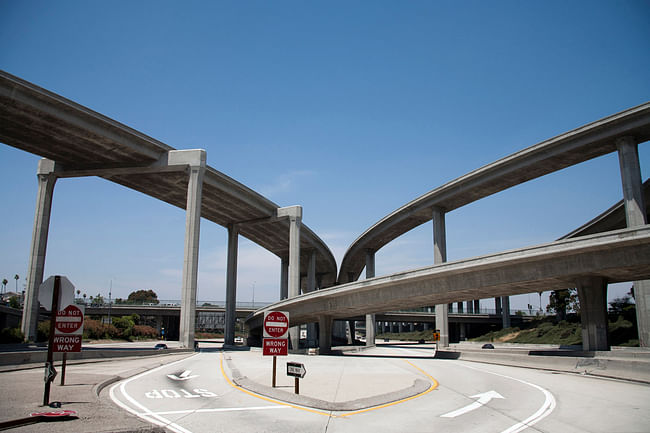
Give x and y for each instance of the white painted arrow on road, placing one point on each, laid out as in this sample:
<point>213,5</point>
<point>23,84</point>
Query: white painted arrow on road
<point>183,376</point>
<point>483,398</point>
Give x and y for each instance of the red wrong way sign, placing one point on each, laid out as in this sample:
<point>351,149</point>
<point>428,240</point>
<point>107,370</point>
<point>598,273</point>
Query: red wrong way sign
<point>276,324</point>
<point>68,329</point>
<point>275,347</point>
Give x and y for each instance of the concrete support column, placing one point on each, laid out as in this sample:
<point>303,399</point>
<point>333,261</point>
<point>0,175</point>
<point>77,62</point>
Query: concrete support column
<point>312,337</point>
<point>440,256</point>
<point>470,307</point>
<point>195,159</point>
<point>46,180</point>
<point>497,305</point>
<point>628,157</point>
<point>370,318</point>
<point>505,311</point>
<point>294,213</point>
<point>324,334</point>
<point>231,284</point>
<point>592,293</point>
<point>284,278</point>
<point>635,215</point>
<point>462,332</point>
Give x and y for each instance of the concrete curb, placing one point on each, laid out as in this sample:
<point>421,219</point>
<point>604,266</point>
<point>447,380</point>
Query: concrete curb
<point>419,386</point>
<point>34,357</point>
<point>593,364</point>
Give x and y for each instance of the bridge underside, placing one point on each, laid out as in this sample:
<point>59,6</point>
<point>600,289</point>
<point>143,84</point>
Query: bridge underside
<point>617,256</point>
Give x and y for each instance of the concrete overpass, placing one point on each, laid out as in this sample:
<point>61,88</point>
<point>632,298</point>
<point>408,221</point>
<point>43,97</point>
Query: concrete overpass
<point>521,271</point>
<point>77,142</point>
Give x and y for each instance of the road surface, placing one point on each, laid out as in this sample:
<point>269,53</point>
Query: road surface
<point>197,394</point>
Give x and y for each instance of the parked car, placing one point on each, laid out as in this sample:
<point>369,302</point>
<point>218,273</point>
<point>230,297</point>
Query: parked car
<point>160,346</point>
<point>487,346</point>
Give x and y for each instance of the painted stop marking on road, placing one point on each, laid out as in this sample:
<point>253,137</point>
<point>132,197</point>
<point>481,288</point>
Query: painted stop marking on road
<point>69,320</point>
<point>276,324</point>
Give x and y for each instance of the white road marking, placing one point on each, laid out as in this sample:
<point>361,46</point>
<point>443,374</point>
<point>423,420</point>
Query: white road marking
<point>542,412</point>
<point>147,414</point>
<point>156,417</point>
<point>483,399</point>
<point>183,376</point>
<point>219,409</point>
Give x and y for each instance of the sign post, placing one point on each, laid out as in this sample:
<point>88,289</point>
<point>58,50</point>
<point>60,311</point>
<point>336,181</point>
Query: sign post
<point>298,371</point>
<point>50,372</point>
<point>436,338</point>
<point>276,331</point>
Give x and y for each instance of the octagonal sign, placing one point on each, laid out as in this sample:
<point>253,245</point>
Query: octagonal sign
<point>276,324</point>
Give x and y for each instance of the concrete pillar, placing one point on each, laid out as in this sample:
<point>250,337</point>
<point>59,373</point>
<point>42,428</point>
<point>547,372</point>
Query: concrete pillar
<point>440,256</point>
<point>46,180</point>
<point>312,337</point>
<point>497,305</point>
<point>635,215</point>
<point>370,318</point>
<point>400,327</point>
<point>470,307</point>
<point>195,159</point>
<point>505,311</point>
<point>592,292</point>
<point>324,334</point>
<point>412,327</point>
<point>352,331</point>
<point>231,284</point>
<point>294,213</point>
<point>462,331</point>
<point>284,278</point>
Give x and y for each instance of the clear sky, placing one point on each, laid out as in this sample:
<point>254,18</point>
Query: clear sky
<point>350,109</point>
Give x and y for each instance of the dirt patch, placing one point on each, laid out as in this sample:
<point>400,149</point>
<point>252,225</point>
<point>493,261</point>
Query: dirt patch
<point>508,337</point>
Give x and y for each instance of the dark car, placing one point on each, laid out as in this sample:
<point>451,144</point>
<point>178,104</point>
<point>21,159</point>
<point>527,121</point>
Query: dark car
<point>487,346</point>
<point>160,346</point>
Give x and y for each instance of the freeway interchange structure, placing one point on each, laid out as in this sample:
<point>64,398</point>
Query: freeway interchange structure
<point>77,142</point>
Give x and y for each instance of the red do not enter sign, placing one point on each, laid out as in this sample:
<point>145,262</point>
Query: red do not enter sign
<point>69,320</point>
<point>276,324</point>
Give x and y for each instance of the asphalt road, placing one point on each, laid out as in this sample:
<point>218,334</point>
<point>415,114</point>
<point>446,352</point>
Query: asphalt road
<point>197,395</point>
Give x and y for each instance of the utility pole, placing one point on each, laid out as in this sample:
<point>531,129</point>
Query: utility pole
<point>110,292</point>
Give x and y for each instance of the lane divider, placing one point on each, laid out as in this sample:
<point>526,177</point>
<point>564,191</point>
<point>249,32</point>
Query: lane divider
<point>434,385</point>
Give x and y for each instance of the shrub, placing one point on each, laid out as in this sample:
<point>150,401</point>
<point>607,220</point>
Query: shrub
<point>11,335</point>
<point>144,331</point>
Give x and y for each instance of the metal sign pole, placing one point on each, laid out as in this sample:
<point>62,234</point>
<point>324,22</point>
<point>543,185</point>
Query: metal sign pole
<point>275,361</point>
<point>65,361</point>
<point>49,365</point>
<point>296,385</point>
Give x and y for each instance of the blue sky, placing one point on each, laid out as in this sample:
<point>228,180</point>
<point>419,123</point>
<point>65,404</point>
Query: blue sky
<point>350,109</point>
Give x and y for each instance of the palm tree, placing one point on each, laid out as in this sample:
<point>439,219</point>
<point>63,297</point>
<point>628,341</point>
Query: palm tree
<point>16,277</point>
<point>4,284</point>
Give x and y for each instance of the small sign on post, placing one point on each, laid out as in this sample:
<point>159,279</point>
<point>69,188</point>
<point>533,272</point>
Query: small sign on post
<point>297,370</point>
<point>276,332</point>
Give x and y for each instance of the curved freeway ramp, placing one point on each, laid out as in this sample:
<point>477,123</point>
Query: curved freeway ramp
<point>581,144</point>
<point>83,142</point>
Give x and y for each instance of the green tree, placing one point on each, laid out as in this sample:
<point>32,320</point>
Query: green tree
<point>14,302</point>
<point>563,301</point>
<point>143,297</point>
<point>98,300</point>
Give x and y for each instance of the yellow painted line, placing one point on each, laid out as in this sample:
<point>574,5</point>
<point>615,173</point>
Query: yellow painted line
<point>270,400</point>
<point>434,385</point>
